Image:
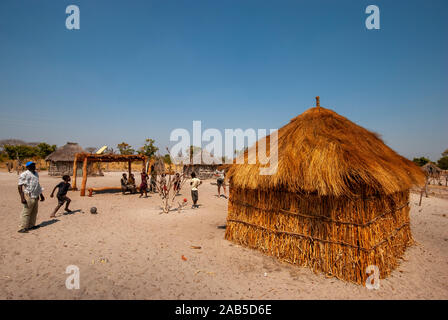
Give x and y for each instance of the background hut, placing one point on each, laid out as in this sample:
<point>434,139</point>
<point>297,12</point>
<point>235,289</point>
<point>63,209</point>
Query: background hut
<point>338,202</point>
<point>433,173</point>
<point>203,170</point>
<point>61,161</point>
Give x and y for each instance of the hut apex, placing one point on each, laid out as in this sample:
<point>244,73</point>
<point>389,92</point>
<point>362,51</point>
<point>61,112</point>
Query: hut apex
<point>317,102</point>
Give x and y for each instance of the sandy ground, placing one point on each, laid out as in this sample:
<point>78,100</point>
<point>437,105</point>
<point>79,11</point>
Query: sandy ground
<point>129,250</point>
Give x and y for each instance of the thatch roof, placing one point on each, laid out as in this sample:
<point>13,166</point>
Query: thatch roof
<point>431,168</point>
<point>323,152</point>
<point>65,153</point>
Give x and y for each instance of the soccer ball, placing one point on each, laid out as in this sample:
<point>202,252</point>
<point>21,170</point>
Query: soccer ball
<point>93,210</point>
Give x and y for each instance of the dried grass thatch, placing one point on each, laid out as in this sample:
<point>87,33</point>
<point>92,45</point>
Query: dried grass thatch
<point>65,153</point>
<point>337,203</point>
<point>324,152</point>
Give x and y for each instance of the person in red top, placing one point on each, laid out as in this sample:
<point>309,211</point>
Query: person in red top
<point>144,184</point>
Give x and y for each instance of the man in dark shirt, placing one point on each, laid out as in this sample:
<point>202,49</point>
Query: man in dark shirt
<point>63,188</point>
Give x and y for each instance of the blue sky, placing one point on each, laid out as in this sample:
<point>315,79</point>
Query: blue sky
<point>139,69</point>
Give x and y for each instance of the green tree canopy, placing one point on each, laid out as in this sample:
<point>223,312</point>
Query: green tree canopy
<point>44,149</point>
<point>167,159</point>
<point>125,148</point>
<point>420,161</point>
<point>442,163</point>
<point>148,149</point>
<point>21,151</point>
<point>445,153</point>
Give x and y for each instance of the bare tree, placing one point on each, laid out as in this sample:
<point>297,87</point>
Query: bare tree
<point>166,188</point>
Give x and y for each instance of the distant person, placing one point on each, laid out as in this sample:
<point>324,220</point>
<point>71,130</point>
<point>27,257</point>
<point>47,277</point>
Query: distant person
<point>131,184</point>
<point>144,184</point>
<point>124,183</point>
<point>163,184</point>
<point>220,181</point>
<point>195,183</point>
<point>63,188</point>
<point>9,166</point>
<point>19,167</point>
<point>153,181</point>
<point>177,183</point>
<point>30,191</point>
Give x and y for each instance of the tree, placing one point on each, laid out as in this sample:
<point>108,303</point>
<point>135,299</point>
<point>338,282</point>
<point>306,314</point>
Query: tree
<point>148,149</point>
<point>124,148</point>
<point>167,159</point>
<point>90,149</point>
<point>445,153</point>
<point>421,161</point>
<point>442,163</point>
<point>21,151</point>
<point>193,151</point>
<point>44,149</point>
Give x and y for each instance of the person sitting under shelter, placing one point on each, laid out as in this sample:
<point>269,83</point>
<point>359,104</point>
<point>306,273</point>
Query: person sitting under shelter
<point>131,183</point>
<point>125,184</point>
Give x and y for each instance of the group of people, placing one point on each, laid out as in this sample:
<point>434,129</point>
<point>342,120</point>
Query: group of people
<point>30,191</point>
<point>10,167</point>
<point>128,184</point>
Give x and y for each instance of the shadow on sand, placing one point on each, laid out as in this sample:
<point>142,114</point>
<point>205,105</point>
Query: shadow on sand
<point>71,212</point>
<point>47,223</point>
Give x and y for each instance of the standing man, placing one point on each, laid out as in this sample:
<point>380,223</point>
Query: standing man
<point>30,191</point>
<point>220,181</point>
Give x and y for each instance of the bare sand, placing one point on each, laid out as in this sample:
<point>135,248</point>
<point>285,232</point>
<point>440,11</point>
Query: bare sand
<point>129,250</point>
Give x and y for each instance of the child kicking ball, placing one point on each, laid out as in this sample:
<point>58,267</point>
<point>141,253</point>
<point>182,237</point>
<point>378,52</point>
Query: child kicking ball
<point>63,188</point>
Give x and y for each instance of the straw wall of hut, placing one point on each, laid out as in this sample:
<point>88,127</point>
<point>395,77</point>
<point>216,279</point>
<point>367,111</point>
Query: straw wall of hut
<point>337,203</point>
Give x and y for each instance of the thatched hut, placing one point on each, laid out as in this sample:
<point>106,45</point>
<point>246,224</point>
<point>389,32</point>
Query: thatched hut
<point>338,202</point>
<point>204,169</point>
<point>61,161</point>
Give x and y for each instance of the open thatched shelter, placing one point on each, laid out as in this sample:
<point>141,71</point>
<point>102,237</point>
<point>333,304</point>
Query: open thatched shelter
<point>61,161</point>
<point>337,203</point>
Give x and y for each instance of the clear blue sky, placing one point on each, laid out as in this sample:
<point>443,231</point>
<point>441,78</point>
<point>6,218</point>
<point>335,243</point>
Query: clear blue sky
<point>139,69</point>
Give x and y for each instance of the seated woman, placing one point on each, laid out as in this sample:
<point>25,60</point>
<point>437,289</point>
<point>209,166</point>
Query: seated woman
<point>131,184</point>
<point>124,183</point>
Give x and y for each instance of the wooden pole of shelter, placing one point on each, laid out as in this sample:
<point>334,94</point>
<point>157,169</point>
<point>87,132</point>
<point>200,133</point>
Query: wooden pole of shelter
<point>129,168</point>
<point>75,168</point>
<point>84,178</point>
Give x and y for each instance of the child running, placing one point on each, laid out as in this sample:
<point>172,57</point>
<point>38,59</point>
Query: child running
<point>63,188</point>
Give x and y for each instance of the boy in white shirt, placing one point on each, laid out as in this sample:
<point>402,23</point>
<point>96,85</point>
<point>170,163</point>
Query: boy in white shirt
<point>195,182</point>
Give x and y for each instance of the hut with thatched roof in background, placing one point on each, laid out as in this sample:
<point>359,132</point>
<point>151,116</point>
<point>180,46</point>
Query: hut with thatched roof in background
<point>61,161</point>
<point>337,203</point>
<point>205,169</point>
